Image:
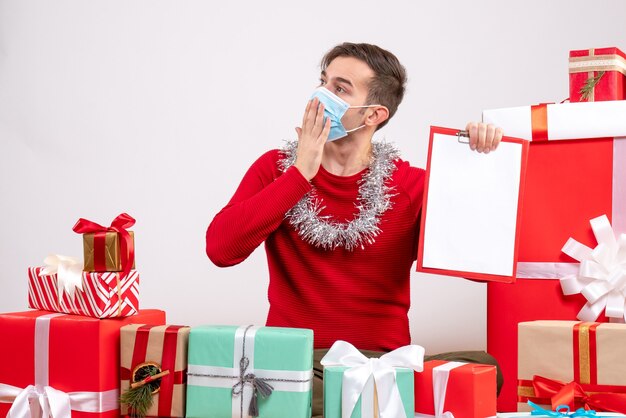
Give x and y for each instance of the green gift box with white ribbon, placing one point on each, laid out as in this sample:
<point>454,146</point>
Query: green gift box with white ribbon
<point>359,387</point>
<point>249,371</point>
<point>367,404</point>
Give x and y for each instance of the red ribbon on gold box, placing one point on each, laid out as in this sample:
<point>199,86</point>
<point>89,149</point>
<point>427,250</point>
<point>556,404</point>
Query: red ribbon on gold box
<point>579,364</point>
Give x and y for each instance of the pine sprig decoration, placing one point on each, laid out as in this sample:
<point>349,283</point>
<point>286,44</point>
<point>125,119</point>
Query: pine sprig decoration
<point>139,399</point>
<point>590,84</point>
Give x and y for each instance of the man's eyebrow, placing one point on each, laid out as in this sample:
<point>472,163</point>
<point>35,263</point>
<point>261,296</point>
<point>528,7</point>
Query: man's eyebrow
<point>343,80</point>
<point>340,79</point>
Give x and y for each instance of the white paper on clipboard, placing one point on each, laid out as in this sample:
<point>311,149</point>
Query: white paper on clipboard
<point>472,207</point>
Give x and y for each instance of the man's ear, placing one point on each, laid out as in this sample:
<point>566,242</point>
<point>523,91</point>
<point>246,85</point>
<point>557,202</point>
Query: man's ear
<point>378,116</point>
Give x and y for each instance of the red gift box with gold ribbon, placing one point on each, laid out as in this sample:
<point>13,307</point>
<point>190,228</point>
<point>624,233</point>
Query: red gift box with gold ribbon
<point>579,364</point>
<point>66,365</point>
<point>162,348</point>
<point>568,183</point>
<point>597,74</point>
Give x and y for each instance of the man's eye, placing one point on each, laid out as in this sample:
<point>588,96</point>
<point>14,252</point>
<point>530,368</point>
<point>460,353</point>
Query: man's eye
<point>339,90</point>
<point>322,82</point>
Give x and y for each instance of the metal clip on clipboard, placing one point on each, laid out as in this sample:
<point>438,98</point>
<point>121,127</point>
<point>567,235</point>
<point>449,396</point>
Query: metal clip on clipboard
<point>462,134</point>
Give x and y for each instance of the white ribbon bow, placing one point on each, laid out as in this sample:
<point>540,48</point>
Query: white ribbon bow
<point>36,402</point>
<point>601,276</point>
<point>69,271</point>
<point>47,402</point>
<point>43,401</point>
<point>382,369</point>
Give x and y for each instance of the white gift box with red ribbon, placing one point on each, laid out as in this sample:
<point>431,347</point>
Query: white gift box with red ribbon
<point>562,121</point>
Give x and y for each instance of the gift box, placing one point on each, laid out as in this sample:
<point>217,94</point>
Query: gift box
<point>100,295</point>
<point>67,364</point>
<point>466,390</point>
<point>108,248</point>
<point>237,371</point>
<point>565,121</point>
<point>358,387</point>
<point>526,300</point>
<point>579,364</point>
<point>597,74</point>
<point>152,350</point>
<point>102,251</point>
<point>368,401</point>
<point>568,183</point>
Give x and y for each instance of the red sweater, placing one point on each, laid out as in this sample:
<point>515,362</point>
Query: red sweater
<point>360,296</point>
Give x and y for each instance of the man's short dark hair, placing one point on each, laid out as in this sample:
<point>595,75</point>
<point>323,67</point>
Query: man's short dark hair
<point>388,85</point>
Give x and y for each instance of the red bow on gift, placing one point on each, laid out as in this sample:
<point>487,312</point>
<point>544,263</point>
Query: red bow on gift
<point>119,225</point>
<point>573,395</point>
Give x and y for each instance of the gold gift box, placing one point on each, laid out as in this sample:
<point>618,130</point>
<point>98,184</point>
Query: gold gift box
<point>154,356</point>
<point>546,348</point>
<point>112,253</point>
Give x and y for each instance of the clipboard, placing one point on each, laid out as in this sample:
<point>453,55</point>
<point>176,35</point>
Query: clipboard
<point>472,208</point>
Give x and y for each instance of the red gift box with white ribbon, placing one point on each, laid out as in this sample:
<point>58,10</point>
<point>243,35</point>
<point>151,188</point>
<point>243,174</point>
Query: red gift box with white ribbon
<point>62,365</point>
<point>450,388</point>
<point>576,172</point>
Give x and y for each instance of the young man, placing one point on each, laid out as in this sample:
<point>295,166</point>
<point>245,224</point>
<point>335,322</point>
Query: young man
<point>338,213</point>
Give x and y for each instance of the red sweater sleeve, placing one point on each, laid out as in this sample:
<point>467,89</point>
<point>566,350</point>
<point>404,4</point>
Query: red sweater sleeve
<point>411,184</point>
<point>256,210</point>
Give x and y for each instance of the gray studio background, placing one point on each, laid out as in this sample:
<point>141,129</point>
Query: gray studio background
<point>157,108</point>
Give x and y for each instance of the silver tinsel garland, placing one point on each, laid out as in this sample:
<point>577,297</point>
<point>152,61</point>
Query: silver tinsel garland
<point>373,200</point>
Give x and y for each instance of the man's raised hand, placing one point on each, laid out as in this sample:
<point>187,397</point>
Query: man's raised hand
<point>311,139</point>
